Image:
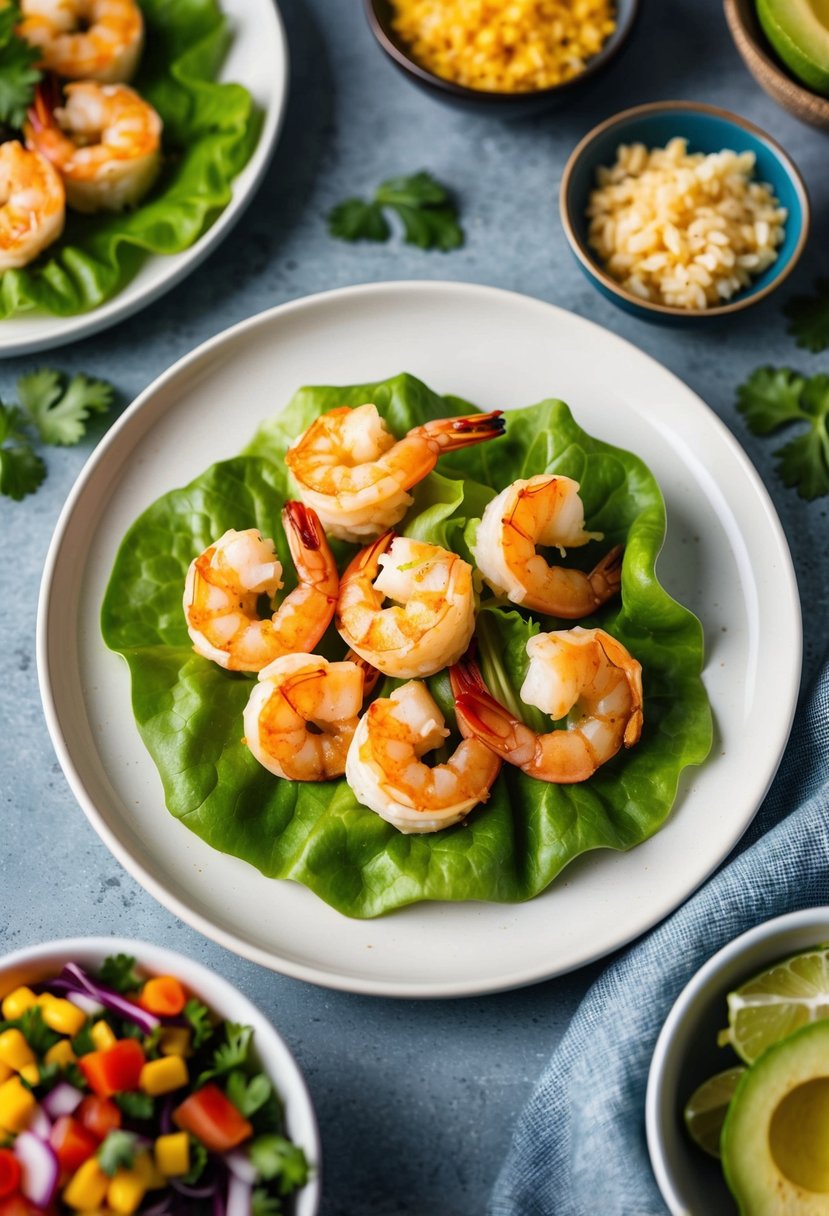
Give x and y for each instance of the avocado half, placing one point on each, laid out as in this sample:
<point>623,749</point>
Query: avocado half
<point>799,32</point>
<point>775,1140</point>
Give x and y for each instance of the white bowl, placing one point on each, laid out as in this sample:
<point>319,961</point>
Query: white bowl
<point>686,1054</point>
<point>38,963</point>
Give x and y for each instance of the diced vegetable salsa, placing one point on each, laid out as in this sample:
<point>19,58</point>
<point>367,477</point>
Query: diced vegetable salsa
<point>122,1093</point>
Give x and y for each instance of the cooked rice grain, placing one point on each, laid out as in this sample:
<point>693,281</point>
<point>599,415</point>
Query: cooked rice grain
<point>681,229</point>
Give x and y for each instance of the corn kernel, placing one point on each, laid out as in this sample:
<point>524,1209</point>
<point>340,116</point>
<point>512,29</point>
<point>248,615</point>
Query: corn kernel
<point>63,1016</point>
<point>149,1173</point>
<point>103,1036</point>
<point>174,1041</point>
<point>17,1105</point>
<point>87,1187</point>
<point>30,1074</point>
<point>61,1054</point>
<point>125,1191</point>
<point>14,1050</point>
<point>163,1076</point>
<point>46,998</point>
<point>17,1002</point>
<point>172,1154</point>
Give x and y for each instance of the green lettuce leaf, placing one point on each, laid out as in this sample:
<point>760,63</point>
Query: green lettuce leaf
<point>210,132</point>
<point>189,711</point>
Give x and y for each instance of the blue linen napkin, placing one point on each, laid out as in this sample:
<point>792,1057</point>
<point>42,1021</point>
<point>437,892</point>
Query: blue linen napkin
<point>579,1148</point>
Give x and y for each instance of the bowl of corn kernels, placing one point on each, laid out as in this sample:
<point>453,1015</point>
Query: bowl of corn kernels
<point>678,211</point>
<point>516,57</point>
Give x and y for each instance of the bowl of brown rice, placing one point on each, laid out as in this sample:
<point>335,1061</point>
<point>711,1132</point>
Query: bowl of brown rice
<point>513,57</point>
<point>678,211</point>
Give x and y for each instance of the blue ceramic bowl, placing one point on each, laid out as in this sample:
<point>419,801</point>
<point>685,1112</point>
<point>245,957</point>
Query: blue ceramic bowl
<point>707,129</point>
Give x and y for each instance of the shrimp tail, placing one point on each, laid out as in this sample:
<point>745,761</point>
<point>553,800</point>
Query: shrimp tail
<point>304,524</point>
<point>606,577</point>
<point>482,717</point>
<point>454,433</point>
<point>41,114</point>
<point>367,561</point>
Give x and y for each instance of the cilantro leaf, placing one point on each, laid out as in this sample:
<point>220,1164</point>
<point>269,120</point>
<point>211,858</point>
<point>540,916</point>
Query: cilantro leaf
<point>809,318</point>
<point>277,1158</point>
<point>118,972</point>
<point>264,1204</point>
<point>198,1162</point>
<point>198,1015</point>
<point>60,408</point>
<point>233,1053</point>
<point>248,1095</point>
<point>355,220</point>
<point>773,398</point>
<point>424,206</point>
<point>21,471</point>
<point>118,1150</point>
<point>135,1105</point>
<point>18,75</point>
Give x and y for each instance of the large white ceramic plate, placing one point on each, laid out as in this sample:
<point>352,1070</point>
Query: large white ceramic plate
<point>258,59</point>
<point>725,557</point>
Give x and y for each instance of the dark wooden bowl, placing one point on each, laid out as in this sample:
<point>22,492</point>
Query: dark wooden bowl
<point>768,71</point>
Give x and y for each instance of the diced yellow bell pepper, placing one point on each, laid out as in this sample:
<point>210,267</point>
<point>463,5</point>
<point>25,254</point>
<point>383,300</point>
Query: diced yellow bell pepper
<point>172,1154</point>
<point>17,1105</point>
<point>125,1191</point>
<point>30,1074</point>
<point>103,1036</point>
<point>5,1072</point>
<point>46,998</point>
<point>87,1188</point>
<point>149,1173</point>
<point>174,1041</point>
<point>163,1076</point>
<point>17,1002</point>
<point>14,1050</point>
<point>63,1016</point>
<point>61,1054</point>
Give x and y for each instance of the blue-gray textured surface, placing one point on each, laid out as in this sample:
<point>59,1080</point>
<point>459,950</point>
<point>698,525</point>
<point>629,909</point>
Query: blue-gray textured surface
<point>415,1101</point>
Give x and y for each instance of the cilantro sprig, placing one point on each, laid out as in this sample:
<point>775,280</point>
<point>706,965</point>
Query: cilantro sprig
<point>231,1054</point>
<point>18,75</point>
<point>52,406</point>
<point>425,208</point>
<point>118,970</point>
<point>809,318</point>
<point>772,398</point>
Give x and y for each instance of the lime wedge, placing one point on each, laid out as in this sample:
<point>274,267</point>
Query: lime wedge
<point>777,1002</point>
<point>706,1109</point>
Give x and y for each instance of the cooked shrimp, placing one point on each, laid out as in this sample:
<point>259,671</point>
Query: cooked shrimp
<point>432,621</point>
<point>85,39</point>
<point>581,670</point>
<point>355,474</point>
<point>385,770</point>
<point>225,582</point>
<point>32,205</point>
<point>544,510</point>
<point>105,142</point>
<point>302,715</point>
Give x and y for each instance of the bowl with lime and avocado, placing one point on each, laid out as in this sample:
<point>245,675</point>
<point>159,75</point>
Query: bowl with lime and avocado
<point>737,1108</point>
<point>785,46</point>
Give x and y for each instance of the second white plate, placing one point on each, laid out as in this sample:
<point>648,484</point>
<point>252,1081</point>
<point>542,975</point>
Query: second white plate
<point>725,557</point>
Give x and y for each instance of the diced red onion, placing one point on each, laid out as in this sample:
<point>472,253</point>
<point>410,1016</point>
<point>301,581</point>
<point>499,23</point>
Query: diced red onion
<point>199,1191</point>
<point>74,979</point>
<point>64,1099</point>
<point>159,1209</point>
<point>40,1171</point>
<point>239,1195</point>
<point>219,1204</point>
<point>91,1008</point>
<point>40,1123</point>
<point>240,1164</point>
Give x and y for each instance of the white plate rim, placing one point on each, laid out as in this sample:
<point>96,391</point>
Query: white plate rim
<point>57,331</point>
<point>311,973</point>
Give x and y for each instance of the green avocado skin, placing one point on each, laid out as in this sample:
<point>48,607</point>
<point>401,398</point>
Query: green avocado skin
<point>753,1176</point>
<point>799,37</point>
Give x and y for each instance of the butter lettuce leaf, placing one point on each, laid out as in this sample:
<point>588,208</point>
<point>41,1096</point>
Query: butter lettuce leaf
<point>210,132</point>
<point>189,711</point>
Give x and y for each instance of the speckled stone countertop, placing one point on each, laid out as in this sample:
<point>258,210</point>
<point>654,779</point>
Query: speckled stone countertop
<point>415,1100</point>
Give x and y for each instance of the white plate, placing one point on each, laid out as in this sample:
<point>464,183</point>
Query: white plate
<point>725,557</point>
<point>258,59</point>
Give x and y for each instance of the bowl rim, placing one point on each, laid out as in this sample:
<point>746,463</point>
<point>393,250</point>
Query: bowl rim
<point>592,265</point>
<point>767,930</point>
<point>605,55</point>
<point>218,992</point>
<point>764,55</point>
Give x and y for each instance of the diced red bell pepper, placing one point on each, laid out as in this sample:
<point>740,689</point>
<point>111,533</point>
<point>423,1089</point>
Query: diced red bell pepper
<point>73,1144</point>
<point>17,1205</point>
<point>9,1172</point>
<point>212,1118</point>
<point>114,1070</point>
<point>99,1116</point>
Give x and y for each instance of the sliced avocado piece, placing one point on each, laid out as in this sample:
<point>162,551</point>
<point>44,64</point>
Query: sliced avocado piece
<point>775,1140</point>
<point>799,32</point>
